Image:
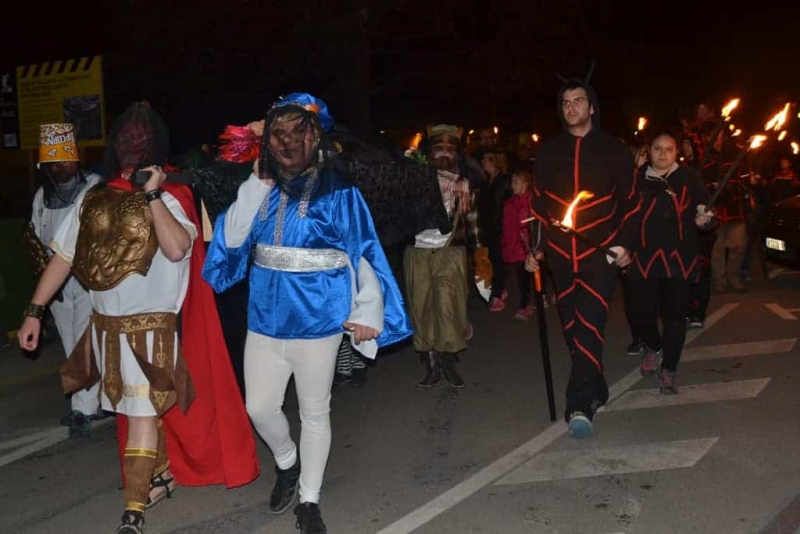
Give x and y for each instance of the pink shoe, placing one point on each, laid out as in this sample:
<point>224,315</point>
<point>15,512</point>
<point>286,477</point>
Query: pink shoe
<point>524,313</point>
<point>496,305</point>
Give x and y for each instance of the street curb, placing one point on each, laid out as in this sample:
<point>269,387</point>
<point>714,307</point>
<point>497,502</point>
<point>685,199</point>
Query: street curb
<point>787,521</point>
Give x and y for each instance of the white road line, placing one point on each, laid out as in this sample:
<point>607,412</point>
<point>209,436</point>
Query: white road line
<point>781,312</point>
<point>512,460</point>
<point>38,441</point>
<point>694,394</point>
<point>736,350</point>
<point>26,439</point>
<point>584,463</point>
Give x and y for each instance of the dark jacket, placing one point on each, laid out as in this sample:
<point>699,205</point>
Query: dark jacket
<point>666,234</point>
<point>600,164</point>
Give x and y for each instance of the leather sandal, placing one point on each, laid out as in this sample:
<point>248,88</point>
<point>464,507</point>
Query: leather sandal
<point>160,481</point>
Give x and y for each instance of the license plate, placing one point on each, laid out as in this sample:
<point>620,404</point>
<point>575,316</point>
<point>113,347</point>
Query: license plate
<point>776,244</point>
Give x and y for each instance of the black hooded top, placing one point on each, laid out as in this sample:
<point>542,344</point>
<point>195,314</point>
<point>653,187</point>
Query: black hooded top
<point>597,163</point>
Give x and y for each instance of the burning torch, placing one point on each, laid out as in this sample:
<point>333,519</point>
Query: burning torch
<point>567,224</point>
<point>775,124</point>
<point>726,116</point>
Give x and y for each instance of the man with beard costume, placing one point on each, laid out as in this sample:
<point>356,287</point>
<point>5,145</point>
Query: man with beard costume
<point>59,164</point>
<point>304,234</point>
<point>138,254</point>
<point>435,267</point>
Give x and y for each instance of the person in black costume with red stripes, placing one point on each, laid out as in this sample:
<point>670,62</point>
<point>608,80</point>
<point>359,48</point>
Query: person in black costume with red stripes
<point>667,256</point>
<point>584,157</point>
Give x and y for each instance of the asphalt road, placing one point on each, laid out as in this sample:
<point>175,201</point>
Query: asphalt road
<point>721,457</point>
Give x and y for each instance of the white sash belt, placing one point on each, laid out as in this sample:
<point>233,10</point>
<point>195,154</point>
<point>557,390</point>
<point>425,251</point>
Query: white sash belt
<point>299,260</point>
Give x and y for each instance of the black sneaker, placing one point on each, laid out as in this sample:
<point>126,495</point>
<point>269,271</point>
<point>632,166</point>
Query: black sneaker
<point>359,379</point>
<point>79,425</point>
<point>285,490</point>
<point>309,519</point>
<point>636,348</point>
<point>694,322</point>
<point>340,379</point>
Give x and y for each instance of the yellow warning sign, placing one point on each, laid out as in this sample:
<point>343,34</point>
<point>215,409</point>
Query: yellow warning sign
<point>62,91</point>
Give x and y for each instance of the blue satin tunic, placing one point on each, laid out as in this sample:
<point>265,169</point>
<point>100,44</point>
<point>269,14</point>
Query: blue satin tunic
<point>308,305</point>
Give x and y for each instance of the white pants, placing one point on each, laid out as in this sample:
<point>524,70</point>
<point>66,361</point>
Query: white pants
<point>72,317</point>
<point>268,365</point>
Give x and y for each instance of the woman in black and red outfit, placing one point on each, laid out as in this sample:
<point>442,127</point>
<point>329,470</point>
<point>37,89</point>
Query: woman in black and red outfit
<point>673,209</point>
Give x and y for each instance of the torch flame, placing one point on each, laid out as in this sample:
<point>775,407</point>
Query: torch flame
<point>730,106</point>
<point>642,123</point>
<point>757,141</point>
<point>415,141</point>
<point>535,138</point>
<point>782,136</point>
<point>777,122</point>
<point>795,148</point>
<point>567,221</point>
<point>737,133</point>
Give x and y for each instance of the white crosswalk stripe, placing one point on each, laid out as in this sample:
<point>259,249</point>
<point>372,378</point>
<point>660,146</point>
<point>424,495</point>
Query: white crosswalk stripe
<point>582,463</point>
<point>736,350</point>
<point>692,394</point>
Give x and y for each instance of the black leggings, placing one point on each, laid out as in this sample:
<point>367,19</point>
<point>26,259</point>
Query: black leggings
<point>667,299</point>
<point>524,281</point>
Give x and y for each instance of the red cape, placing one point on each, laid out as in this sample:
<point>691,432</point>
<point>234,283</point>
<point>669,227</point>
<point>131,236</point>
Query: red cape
<point>212,443</point>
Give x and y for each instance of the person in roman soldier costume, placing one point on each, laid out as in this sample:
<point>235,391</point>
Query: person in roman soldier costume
<point>62,181</point>
<point>303,234</point>
<point>180,416</point>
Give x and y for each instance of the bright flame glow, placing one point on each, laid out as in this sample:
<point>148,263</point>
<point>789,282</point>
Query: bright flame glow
<point>568,221</point>
<point>757,141</point>
<point>496,130</point>
<point>777,122</point>
<point>535,138</point>
<point>737,133</point>
<point>471,132</point>
<point>782,136</point>
<point>415,141</point>
<point>731,127</point>
<point>730,106</point>
<point>795,148</point>
<point>642,123</point>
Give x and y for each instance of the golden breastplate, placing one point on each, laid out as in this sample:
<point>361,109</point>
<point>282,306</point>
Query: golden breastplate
<point>116,238</point>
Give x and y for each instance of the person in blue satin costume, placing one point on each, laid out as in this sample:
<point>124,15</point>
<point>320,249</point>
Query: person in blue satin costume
<point>305,237</point>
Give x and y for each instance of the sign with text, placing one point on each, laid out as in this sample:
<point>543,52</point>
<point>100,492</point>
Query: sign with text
<point>62,91</point>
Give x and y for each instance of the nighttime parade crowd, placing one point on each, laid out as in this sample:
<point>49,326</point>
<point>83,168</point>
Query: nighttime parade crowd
<point>188,291</point>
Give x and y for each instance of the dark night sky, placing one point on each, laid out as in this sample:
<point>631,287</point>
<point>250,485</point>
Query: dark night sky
<point>396,63</point>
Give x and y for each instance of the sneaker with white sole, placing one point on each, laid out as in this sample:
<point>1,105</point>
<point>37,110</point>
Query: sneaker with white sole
<point>580,426</point>
<point>636,348</point>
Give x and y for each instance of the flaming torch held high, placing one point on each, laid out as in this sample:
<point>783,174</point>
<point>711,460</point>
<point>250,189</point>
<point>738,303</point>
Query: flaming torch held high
<point>777,122</point>
<point>726,115</point>
<point>729,107</point>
